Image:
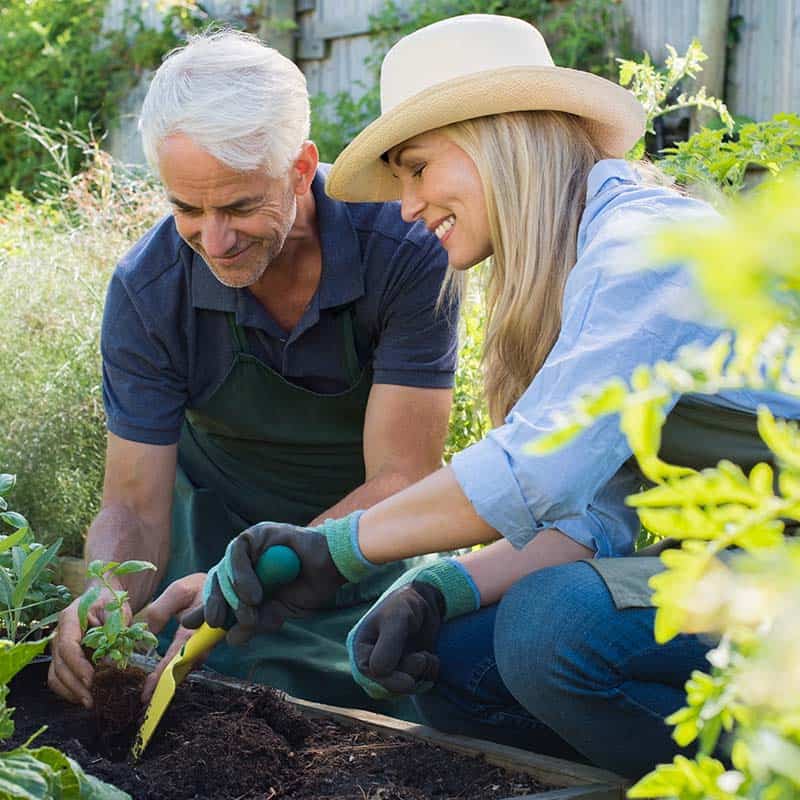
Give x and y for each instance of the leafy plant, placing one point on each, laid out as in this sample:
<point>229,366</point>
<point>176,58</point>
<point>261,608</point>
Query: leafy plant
<point>469,417</point>
<point>655,87</point>
<point>29,600</point>
<point>712,158</point>
<point>749,269</point>
<point>40,773</point>
<point>73,70</point>
<point>113,640</point>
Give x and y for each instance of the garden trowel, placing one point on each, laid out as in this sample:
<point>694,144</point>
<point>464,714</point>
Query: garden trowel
<point>277,565</point>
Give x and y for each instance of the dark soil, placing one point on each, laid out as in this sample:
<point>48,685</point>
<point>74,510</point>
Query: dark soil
<point>117,708</point>
<point>227,744</point>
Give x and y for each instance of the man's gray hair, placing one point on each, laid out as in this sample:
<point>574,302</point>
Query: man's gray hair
<point>239,100</point>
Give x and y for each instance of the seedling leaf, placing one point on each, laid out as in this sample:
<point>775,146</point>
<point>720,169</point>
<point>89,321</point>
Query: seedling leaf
<point>85,603</point>
<point>129,567</point>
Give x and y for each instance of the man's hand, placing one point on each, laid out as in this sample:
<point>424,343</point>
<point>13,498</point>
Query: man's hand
<point>71,673</point>
<point>174,601</point>
<point>327,561</point>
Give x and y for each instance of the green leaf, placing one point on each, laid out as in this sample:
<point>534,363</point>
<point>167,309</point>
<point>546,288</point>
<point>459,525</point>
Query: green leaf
<point>88,597</point>
<point>93,638</point>
<point>13,657</point>
<point>34,566</point>
<point>129,567</point>
<point>6,482</point>
<point>7,542</point>
<point>6,590</point>
<point>14,519</point>
<point>98,568</point>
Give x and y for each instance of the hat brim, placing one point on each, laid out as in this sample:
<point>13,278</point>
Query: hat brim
<point>614,118</point>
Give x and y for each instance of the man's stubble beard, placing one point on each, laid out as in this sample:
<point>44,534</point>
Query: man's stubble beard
<point>273,252</point>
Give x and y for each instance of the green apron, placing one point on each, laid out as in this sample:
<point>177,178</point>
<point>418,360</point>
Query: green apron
<point>696,434</point>
<point>260,449</point>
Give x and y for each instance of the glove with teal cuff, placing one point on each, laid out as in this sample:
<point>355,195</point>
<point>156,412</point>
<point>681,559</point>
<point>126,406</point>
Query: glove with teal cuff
<point>329,557</point>
<point>391,648</point>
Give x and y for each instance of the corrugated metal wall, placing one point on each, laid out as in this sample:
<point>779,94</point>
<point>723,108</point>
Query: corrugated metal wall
<point>333,44</point>
<point>763,77</point>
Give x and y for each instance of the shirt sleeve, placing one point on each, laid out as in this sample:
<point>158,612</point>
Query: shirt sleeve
<point>417,341</point>
<point>614,318</point>
<point>144,393</point>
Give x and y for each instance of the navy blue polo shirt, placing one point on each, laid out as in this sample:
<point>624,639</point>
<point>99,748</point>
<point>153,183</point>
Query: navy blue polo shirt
<point>167,345</point>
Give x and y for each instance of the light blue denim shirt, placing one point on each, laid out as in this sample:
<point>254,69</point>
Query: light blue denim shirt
<point>614,317</point>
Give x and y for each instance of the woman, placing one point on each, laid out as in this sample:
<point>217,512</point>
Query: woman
<point>537,639</point>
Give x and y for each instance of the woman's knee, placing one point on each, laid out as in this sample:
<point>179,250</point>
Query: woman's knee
<point>543,624</point>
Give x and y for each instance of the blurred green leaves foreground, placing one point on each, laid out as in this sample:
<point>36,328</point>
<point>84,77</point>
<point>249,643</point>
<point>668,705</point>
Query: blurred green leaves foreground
<point>748,599</point>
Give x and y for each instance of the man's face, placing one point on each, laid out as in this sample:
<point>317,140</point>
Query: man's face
<point>237,221</point>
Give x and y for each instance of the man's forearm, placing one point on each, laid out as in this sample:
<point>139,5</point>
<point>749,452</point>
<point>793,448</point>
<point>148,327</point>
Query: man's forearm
<point>367,495</point>
<point>119,534</point>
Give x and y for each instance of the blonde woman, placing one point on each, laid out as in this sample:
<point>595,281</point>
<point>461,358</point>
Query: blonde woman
<point>539,639</point>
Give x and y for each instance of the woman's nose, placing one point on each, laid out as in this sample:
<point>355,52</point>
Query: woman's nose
<point>411,205</point>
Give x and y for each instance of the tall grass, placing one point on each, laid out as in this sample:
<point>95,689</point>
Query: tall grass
<point>56,258</point>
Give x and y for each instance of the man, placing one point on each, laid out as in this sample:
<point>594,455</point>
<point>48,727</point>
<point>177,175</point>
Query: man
<point>268,354</point>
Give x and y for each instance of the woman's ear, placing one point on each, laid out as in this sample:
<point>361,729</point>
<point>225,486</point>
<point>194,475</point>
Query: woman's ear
<point>305,167</point>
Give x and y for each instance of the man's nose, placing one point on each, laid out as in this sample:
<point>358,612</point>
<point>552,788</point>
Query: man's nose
<point>217,237</point>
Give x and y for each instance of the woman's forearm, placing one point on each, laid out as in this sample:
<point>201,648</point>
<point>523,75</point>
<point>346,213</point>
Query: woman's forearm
<point>428,517</point>
<point>497,567</point>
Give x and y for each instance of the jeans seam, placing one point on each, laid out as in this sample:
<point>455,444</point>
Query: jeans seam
<point>479,673</point>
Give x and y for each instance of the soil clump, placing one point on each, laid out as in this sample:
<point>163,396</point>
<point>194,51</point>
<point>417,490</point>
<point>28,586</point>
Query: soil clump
<point>118,708</point>
<point>226,744</point>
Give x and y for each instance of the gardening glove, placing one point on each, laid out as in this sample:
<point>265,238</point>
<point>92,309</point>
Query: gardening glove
<point>391,648</point>
<point>329,557</point>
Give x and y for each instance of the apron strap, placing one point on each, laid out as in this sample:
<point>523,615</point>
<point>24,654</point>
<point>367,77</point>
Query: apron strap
<point>239,336</point>
<point>351,365</point>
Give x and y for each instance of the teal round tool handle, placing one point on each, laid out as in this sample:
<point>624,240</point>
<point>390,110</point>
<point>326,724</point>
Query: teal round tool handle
<point>277,565</point>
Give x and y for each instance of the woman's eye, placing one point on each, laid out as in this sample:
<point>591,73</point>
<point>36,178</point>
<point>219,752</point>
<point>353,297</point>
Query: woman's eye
<point>417,171</point>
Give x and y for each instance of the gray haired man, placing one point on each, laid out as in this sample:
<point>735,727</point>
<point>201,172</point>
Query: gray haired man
<point>268,354</point>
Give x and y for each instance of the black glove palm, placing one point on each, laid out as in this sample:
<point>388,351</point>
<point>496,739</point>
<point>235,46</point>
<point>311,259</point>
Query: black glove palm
<point>395,642</point>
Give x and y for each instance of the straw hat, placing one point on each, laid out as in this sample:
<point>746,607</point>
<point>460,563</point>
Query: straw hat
<point>472,66</point>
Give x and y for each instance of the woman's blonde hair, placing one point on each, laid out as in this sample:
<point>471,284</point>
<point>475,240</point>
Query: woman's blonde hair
<point>534,167</point>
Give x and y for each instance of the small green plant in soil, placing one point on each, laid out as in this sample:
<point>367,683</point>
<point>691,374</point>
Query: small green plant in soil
<point>39,773</point>
<point>29,599</point>
<point>113,640</point>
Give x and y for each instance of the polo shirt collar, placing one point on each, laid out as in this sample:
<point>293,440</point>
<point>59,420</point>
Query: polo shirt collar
<point>342,279</point>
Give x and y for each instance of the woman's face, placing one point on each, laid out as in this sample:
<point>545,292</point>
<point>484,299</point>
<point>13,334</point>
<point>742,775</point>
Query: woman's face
<point>440,185</point>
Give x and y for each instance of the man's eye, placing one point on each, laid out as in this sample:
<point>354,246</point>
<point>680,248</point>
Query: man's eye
<point>417,171</point>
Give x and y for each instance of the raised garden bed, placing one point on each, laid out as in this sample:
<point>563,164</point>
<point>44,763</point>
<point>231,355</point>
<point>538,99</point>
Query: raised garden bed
<point>222,739</point>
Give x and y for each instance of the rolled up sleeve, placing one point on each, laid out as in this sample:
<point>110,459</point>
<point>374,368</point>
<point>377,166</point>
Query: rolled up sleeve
<point>613,320</point>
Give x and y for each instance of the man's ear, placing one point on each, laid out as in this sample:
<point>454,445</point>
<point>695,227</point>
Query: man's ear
<point>305,167</point>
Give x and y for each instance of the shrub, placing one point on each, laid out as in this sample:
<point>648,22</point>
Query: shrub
<point>58,58</point>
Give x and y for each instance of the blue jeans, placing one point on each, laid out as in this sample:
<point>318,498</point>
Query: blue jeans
<point>555,667</point>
